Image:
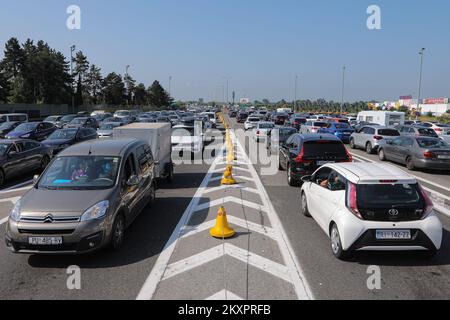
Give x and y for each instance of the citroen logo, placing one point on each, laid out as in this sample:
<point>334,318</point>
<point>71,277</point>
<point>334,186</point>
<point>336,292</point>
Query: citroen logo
<point>393,212</point>
<point>48,219</point>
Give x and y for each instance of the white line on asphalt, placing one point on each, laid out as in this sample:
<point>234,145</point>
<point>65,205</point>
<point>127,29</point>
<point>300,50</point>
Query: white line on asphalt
<point>418,178</point>
<point>148,289</point>
<point>236,186</point>
<point>4,220</point>
<point>295,270</point>
<point>235,200</point>
<point>20,186</point>
<point>224,295</point>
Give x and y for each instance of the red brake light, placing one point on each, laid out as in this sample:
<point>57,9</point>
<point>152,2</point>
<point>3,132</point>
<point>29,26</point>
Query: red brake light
<point>438,129</point>
<point>378,138</point>
<point>257,132</point>
<point>352,203</point>
<point>428,203</point>
<point>350,157</point>
<point>300,156</point>
<point>428,154</point>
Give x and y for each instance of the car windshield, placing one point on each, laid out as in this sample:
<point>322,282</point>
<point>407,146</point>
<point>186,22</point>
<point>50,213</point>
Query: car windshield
<point>68,118</point>
<point>388,132</point>
<point>320,124</point>
<point>387,195</point>
<point>26,127</point>
<point>123,114</point>
<point>432,144</point>
<point>287,132</point>
<point>81,173</point>
<point>266,126</point>
<point>65,134</point>
<point>51,119</point>
<point>3,148</point>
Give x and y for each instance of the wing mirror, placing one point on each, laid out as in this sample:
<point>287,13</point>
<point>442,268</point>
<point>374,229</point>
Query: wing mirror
<point>36,179</point>
<point>12,154</point>
<point>133,181</point>
<point>306,179</point>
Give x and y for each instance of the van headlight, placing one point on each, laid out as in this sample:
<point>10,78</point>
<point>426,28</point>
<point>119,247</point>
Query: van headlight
<point>96,212</point>
<point>15,212</point>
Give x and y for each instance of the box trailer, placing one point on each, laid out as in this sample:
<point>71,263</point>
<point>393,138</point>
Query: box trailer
<point>158,136</point>
<point>383,118</point>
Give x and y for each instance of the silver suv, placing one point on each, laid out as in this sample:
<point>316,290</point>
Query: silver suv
<point>369,138</point>
<point>84,200</point>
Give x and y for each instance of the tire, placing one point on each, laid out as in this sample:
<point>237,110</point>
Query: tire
<point>410,164</point>
<point>381,155</point>
<point>2,178</point>
<point>290,179</point>
<point>369,149</point>
<point>304,206</point>
<point>336,244</point>
<point>44,163</point>
<point>352,144</point>
<point>117,233</point>
<point>169,178</point>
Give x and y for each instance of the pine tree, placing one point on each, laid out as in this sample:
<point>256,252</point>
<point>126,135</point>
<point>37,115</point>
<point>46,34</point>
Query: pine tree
<point>157,96</point>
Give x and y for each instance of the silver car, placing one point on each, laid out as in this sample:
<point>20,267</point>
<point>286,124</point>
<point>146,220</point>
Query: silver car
<point>369,138</point>
<point>84,200</point>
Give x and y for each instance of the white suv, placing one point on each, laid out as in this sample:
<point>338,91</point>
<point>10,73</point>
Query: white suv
<point>251,123</point>
<point>364,206</point>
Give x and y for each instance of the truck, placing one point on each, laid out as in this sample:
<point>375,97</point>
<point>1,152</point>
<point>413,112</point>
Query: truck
<point>382,118</point>
<point>158,136</point>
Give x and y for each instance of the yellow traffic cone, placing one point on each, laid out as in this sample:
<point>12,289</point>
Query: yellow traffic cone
<point>228,179</point>
<point>222,228</point>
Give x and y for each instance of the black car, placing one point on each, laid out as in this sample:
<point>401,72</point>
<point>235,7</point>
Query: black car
<point>242,117</point>
<point>64,138</point>
<point>66,120</point>
<point>302,155</point>
<point>273,140</point>
<point>296,121</point>
<point>232,114</point>
<point>7,127</point>
<point>18,157</point>
<point>280,119</point>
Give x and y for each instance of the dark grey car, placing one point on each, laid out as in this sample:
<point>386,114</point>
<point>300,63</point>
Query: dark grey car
<point>417,152</point>
<point>18,157</point>
<point>85,199</point>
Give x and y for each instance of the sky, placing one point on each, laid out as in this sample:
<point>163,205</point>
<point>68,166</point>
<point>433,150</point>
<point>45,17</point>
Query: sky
<point>259,45</point>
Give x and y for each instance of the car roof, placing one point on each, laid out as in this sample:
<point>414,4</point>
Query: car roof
<point>318,137</point>
<point>111,148</point>
<point>364,173</point>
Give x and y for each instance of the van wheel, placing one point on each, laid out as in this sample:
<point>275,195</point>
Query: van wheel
<point>44,163</point>
<point>381,155</point>
<point>369,148</point>
<point>352,144</point>
<point>2,178</point>
<point>336,244</point>
<point>304,206</point>
<point>410,164</point>
<point>117,233</point>
<point>152,194</point>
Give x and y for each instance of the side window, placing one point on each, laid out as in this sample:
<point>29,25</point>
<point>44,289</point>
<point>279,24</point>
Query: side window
<point>335,182</point>
<point>371,131</point>
<point>407,143</point>
<point>129,169</point>
<point>397,142</point>
<point>29,145</point>
<point>321,175</point>
<point>144,157</point>
<point>364,130</point>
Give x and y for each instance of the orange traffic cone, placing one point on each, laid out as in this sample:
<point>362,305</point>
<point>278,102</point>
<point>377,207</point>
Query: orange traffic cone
<point>222,229</point>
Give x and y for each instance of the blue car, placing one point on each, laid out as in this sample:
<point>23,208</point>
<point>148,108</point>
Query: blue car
<point>38,131</point>
<point>343,131</point>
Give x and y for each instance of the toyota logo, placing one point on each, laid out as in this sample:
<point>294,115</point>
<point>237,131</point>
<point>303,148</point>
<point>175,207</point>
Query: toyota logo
<point>393,212</point>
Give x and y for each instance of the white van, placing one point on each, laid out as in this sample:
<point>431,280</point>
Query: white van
<point>383,118</point>
<point>14,117</point>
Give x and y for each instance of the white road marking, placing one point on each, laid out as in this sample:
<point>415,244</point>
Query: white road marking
<point>235,177</point>
<point>236,186</point>
<point>235,200</point>
<point>4,220</point>
<point>212,254</point>
<point>19,187</point>
<point>224,295</point>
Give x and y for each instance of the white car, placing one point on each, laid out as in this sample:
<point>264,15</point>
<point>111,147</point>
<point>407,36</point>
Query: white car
<point>261,131</point>
<point>370,207</point>
<point>440,129</point>
<point>251,123</point>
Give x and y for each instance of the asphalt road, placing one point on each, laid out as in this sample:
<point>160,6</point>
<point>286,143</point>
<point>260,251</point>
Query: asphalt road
<point>404,275</point>
<point>104,275</point>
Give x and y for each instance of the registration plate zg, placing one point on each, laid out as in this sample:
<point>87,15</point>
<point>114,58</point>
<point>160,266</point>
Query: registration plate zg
<point>393,234</point>
<point>45,241</point>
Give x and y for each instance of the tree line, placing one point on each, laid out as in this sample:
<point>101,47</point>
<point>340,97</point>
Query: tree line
<point>35,73</point>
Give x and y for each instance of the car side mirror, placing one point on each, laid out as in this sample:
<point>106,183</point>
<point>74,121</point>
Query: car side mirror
<point>306,179</point>
<point>36,179</point>
<point>12,154</point>
<point>133,181</point>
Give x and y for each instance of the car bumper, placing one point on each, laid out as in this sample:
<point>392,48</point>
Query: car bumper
<point>432,164</point>
<point>82,237</point>
<point>359,234</point>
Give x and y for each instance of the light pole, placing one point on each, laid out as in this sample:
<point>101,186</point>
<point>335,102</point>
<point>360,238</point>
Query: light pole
<point>421,53</point>
<point>127,83</point>
<point>295,94</point>
<point>72,50</point>
<point>227,95</point>
<point>343,89</point>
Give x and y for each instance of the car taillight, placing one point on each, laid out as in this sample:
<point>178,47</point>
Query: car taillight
<point>378,138</point>
<point>428,203</point>
<point>257,132</point>
<point>300,156</point>
<point>350,157</point>
<point>352,203</point>
<point>428,154</point>
<point>438,129</point>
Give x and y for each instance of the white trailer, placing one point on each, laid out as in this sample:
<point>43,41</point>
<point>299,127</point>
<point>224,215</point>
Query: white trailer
<point>158,136</point>
<point>383,118</point>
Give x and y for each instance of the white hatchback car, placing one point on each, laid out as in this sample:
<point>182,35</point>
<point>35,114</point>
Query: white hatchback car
<point>251,123</point>
<point>261,131</point>
<point>378,207</point>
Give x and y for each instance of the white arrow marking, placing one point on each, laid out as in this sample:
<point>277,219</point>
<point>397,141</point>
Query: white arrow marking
<point>224,295</point>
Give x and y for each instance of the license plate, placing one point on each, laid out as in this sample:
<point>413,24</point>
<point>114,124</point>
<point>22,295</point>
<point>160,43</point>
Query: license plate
<point>444,157</point>
<point>321,163</point>
<point>45,241</point>
<point>393,235</point>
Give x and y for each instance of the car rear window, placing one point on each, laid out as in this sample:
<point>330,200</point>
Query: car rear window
<point>432,144</point>
<point>320,124</point>
<point>324,148</point>
<point>388,132</point>
<point>427,132</point>
<point>388,196</point>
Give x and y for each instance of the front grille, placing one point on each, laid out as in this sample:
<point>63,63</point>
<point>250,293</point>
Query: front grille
<point>382,215</point>
<point>47,232</point>
<point>53,220</point>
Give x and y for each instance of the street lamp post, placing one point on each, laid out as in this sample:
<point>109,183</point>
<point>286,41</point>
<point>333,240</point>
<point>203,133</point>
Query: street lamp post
<point>295,95</point>
<point>343,89</point>
<point>421,53</point>
<point>72,50</point>
<point>127,83</point>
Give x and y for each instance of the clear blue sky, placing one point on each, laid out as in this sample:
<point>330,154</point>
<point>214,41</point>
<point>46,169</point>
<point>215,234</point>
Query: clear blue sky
<point>260,44</point>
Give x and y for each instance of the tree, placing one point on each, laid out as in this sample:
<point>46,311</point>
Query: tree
<point>13,60</point>
<point>129,87</point>
<point>94,84</point>
<point>140,94</point>
<point>81,65</point>
<point>79,92</point>
<point>4,86</point>
<point>157,96</point>
<point>113,89</point>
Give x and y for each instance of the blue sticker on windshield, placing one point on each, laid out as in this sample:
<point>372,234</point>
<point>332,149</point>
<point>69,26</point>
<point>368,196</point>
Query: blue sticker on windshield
<point>61,181</point>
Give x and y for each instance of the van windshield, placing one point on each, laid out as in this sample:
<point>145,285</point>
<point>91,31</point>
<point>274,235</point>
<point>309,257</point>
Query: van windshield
<point>81,173</point>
